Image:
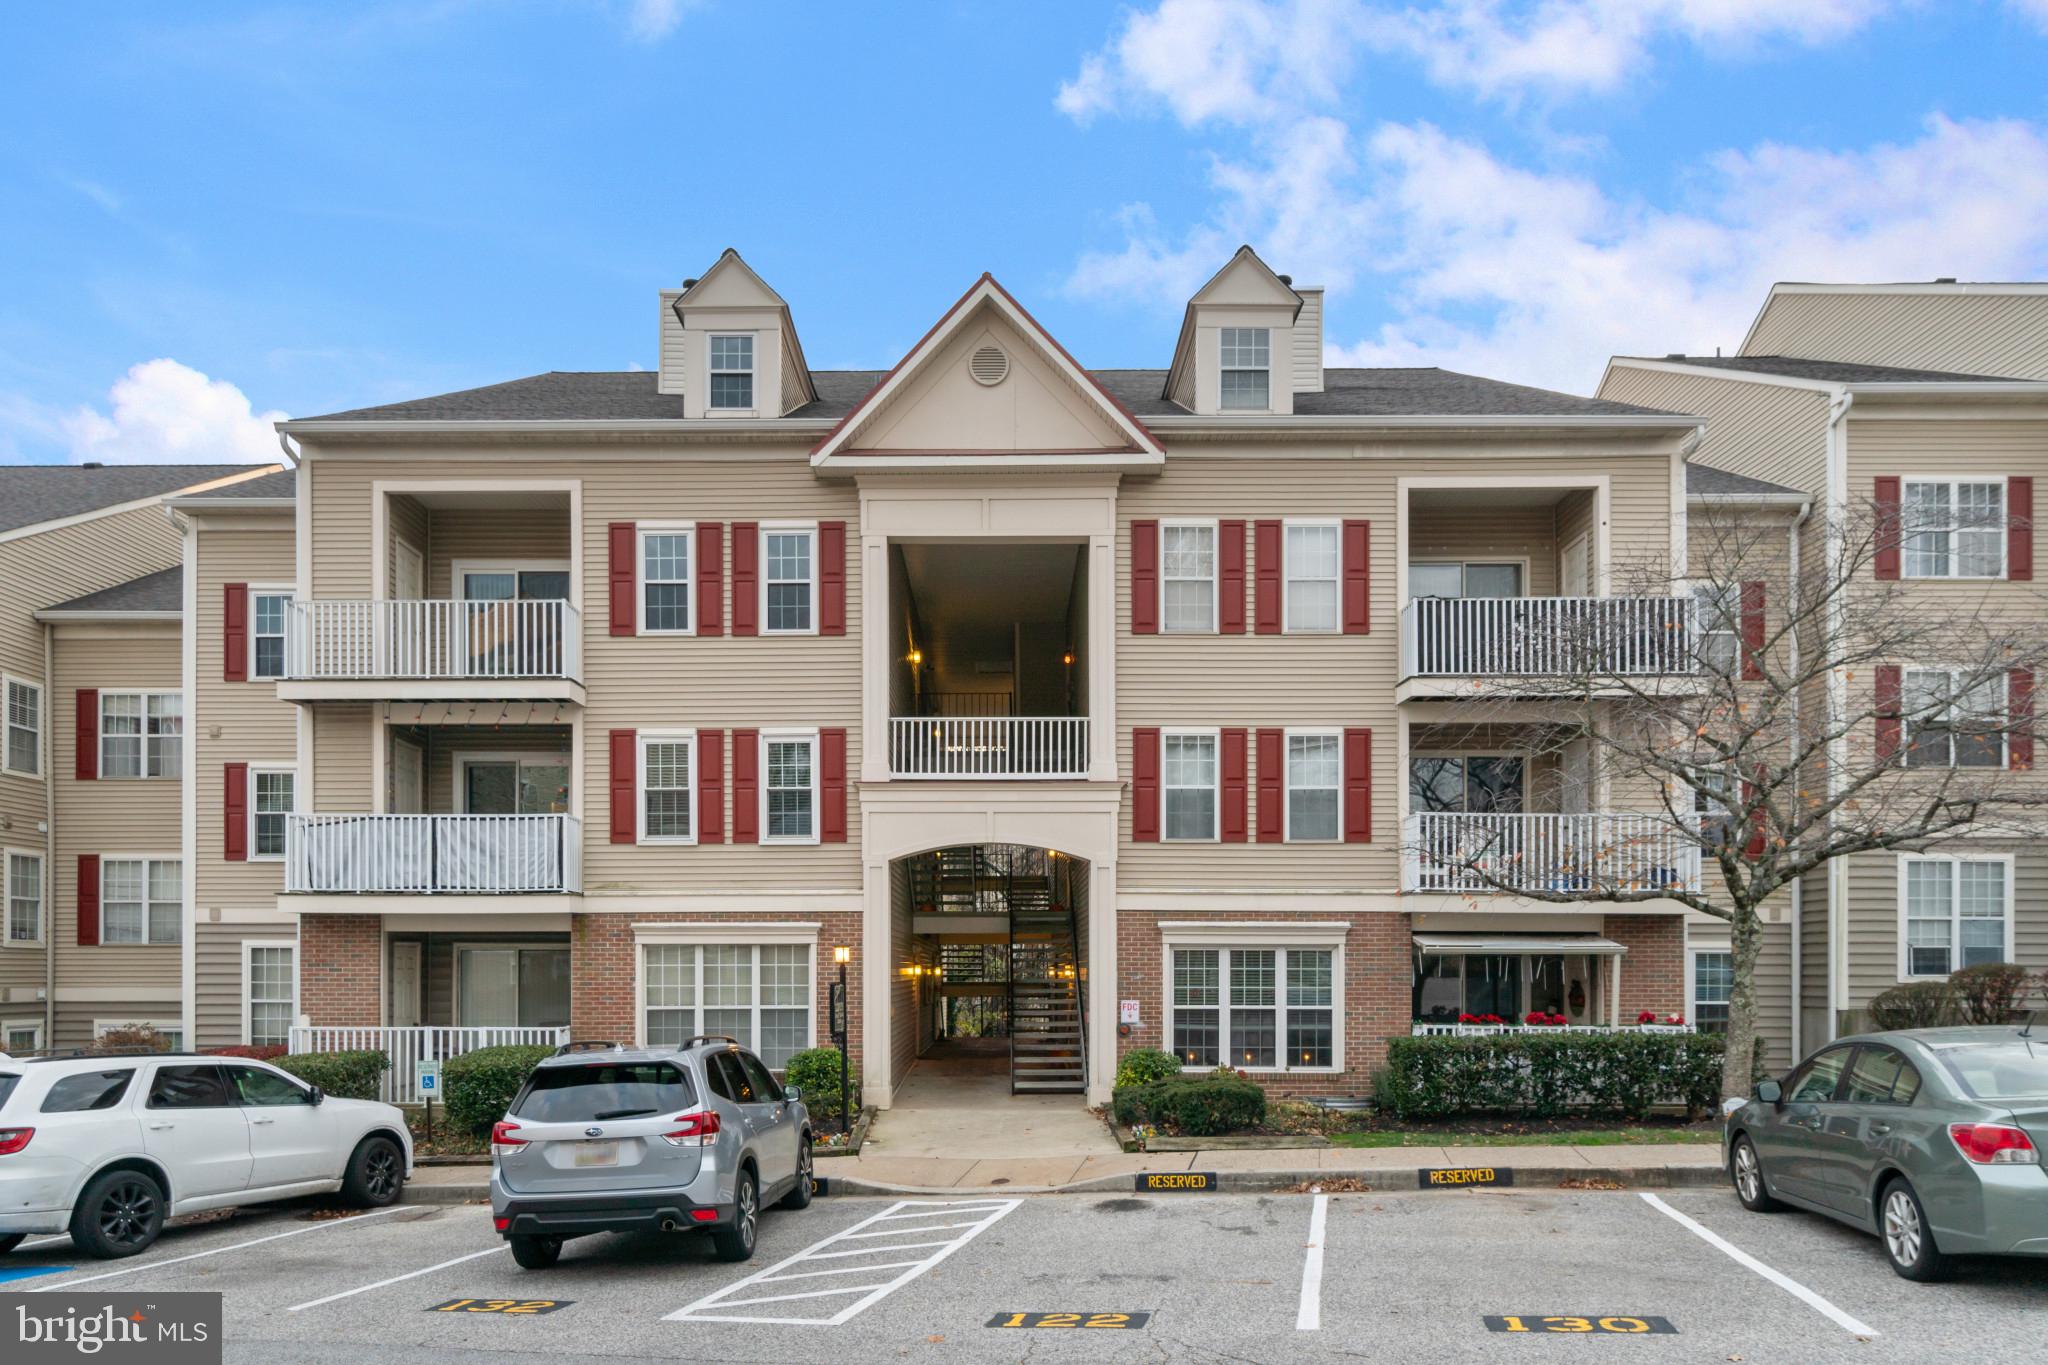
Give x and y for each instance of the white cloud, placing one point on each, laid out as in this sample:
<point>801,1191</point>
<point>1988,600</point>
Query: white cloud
<point>1230,60</point>
<point>163,412</point>
<point>652,20</point>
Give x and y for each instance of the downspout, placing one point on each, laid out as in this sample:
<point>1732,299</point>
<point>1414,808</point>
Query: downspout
<point>49,909</point>
<point>1837,697</point>
<point>1793,652</point>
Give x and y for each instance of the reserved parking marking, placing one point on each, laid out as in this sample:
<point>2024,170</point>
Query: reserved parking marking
<point>1613,1325</point>
<point>1784,1282</point>
<point>874,1279</point>
<point>1309,1317</point>
<point>218,1251</point>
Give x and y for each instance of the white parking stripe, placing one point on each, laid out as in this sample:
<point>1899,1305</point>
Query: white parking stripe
<point>216,1251</point>
<point>911,1231</point>
<point>395,1279</point>
<point>1784,1282</point>
<point>842,1270</point>
<point>1309,1317</point>
<point>715,1307</point>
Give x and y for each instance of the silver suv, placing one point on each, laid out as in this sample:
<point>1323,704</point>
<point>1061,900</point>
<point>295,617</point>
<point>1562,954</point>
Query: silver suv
<point>609,1139</point>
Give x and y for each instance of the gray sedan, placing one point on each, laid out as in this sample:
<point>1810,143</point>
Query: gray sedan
<point>1929,1138</point>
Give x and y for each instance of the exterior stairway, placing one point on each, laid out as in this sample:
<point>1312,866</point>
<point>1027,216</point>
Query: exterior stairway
<point>1047,1038</point>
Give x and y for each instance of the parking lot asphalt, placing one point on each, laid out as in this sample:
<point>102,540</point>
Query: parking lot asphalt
<point>1396,1274</point>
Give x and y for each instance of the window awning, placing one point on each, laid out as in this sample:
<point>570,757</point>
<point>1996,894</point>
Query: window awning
<point>1519,943</point>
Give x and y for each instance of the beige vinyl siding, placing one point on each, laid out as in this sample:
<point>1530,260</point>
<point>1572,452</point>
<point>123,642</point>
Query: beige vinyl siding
<point>1495,534</point>
<point>410,525</point>
<point>1874,915</point>
<point>343,780</point>
<point>794,380</point>
<point>670,363</point>
<point>75,1017</point>
<point>475,535</point>
<point>1774,998</point>
<point>1767,431</point>
<point>1308,343</point>
<point>1813,960</point>
<point>217,968</point>
<point>1990,334</point>
<point>447,744</point>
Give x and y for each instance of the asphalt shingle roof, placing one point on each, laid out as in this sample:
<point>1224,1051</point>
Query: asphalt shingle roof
<point>45,492</point>
<point>1828,371</point>
<point>1705,479</point>
<point>282,484</point>
<point>160,591</point>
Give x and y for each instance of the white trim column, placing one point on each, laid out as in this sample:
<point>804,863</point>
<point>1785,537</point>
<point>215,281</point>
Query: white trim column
<point>876,974</point>
<point>876,670</point>
<point>1102,980</point>
<point>1102,593</point>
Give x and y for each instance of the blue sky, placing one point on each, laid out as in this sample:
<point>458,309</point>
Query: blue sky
<point>213,214</point>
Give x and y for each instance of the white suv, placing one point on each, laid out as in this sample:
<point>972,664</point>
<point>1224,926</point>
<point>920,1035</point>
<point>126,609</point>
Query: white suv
<point>107,1147</point>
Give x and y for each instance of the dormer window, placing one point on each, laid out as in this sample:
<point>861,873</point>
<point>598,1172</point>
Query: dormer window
<point>732,372</point>
<point>1247,368</point>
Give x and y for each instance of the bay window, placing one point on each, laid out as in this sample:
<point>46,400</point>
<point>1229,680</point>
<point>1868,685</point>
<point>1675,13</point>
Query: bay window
<point>1260,1009</point>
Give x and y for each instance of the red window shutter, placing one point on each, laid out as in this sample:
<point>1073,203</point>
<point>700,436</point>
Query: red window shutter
<point>711,786</point>
<point>2019,719</point>
<point>1272,786</point>
<point>711,578</point>
<point>1757,817</point>
<point>746,594</point>
<point>1236,786</point>
<point>831,578</point>
<point>1266,577</point>
<point>1890,689</point>
<point>1144,578</point>
<point>1230,577</point>
<point>235,812</point>
<point>2019,528</point>
<point>1357,578</point>
<point>1752,631</point>
<point>625,786</point>
<point>624,578</point>
<point>1358,786</point>
<point>234,632</point>
<point>1145,784</point>
<point>87,766</point>
<point>1886,498</point>
<point>746,780</point>
<point>88,899</point>
<point>832,785</point>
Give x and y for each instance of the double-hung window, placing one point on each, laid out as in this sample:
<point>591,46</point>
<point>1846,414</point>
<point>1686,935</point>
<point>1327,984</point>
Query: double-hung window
<point>1957,913</point>
<point>1187,576</point>
<point>266,632</point>
<point>1247,368</point>
<point>1717,619</point>
<point>1713,986</point>
<point>271,800</point>
<point>789,793</point>
<point>666,554</point>
<point>141,900</point>
<point>758,993</point>
<point>1953,721</point>
<point>1266,1009</point>
<point>1188,784</point>
<point>1314,564</point>
<point>1315,783</point>
<point>1954,528</point>
<point>732,372</point>
<point>24,897</point>
<point>668,788</point>
<point>270,976</point>
<point>789,569</point>
<point>142,734</point>
<point>23,751</point>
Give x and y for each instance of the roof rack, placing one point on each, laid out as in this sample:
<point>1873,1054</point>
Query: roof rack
<point>72,1054</point>
<point>710,1038</point>
<point>585,1045</point>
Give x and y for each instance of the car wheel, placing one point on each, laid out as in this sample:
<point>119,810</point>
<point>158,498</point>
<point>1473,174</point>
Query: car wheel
<point>800,1197</point>
<point>1748,1174</point>
<point>119,1215</point>
<point>736,1243</point>
<point>1908,1241</point>
<point>536,1253</point>
<point>376,1173</point>
<point>11,1241</point>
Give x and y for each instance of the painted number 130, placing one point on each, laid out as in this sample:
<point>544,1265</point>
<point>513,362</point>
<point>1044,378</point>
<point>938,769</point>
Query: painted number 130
<point>1569,1324</point>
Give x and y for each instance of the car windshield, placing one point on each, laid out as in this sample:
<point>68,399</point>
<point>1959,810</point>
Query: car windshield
<point>612,1090</point>
<point>1999,1071</point>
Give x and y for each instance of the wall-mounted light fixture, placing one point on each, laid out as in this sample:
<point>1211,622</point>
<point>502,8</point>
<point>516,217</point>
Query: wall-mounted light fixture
<point>842,956</point>
<point>916,657</point>
<point>1068,658</point>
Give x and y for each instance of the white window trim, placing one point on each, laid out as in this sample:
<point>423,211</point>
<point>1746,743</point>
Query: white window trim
<point>688,531</point>
<point>1955,676</point>
<point>461,568</point>
<point>254,769</point>
<point>164,1026</point>
<point>768,528</point>
<point>1215,573</point>
<point>1215,734</point>
<point>725,935</point>
<point>1223,367</point>
<point>1954,555</point>
<point>1287,626</point>
<point>144,693</point>
<point>9,681</point>
<point>145,859</point>
<point>1523,562</point>
<point>1278,937</point>
<point>7,857</point>
<point>287,591</point>
<point>460,759</point>
<point>1955,909</point>
<point>640,789</point>
<point>752,372</point>
<point>248,978</point>
<point>786,736</point>
<point>1693,952</point>
<point>1287,737</point>
<point>33,1022</point>
<point>462,946</point>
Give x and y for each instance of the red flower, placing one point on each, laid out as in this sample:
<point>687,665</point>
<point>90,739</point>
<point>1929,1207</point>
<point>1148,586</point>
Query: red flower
<point>1647,1017</point>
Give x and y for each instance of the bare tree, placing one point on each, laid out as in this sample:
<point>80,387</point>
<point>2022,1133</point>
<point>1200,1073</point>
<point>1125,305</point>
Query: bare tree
<point>1761,714</point>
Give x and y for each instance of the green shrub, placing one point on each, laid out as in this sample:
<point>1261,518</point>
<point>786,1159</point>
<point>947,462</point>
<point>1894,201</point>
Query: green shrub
<point>815,1071</point>
<point>1198,1106</point>
<point>1990,992</point>
<point>1549,1075</point>
<point>345,1075</point>
<point>1917,1004</point>
<point>1142,1066</point>
<point>480,1085</point>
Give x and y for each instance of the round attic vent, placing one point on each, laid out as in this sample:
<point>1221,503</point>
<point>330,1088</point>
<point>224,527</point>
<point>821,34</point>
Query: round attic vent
<point>989,365</point>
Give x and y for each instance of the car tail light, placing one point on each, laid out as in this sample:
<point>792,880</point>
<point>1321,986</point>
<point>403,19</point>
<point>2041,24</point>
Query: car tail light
<point>502,1224</point>
<point>13,1140</point>
<point>1994,1144</point>
<point>693,1130</point>
<point>704,1215</point>
<point>501,1136</point>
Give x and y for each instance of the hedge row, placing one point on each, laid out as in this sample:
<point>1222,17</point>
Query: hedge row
<point>1198,1106</point>
<point>345,1075</point>
<point>480,1085</point>
<point>1549,1075</point>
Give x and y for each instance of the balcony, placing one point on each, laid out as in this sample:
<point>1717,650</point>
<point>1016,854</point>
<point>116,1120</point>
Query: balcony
<point>432,649</point>
<point>1500,853</point>
<point>1580,637</point>
<point>985,747</point>
<point>433,855</point>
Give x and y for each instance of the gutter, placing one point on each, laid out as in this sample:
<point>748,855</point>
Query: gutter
<point>206,505</point>
<point>664,426</point>
<point>1792,649</point>
<point>1950,388</point>
<point>1418,421</point>
<point>49,742</point>
<point>57,616</point>
<point>1837,692</point>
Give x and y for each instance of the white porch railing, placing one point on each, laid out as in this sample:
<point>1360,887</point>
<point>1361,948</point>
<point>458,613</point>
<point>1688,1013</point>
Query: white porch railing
<point>337,640</point>
<point>1419,1029</point>
<point>1472,851</point>
<point>988,746</point>
<point>1536,636</point>
<point>431,855</point>
<point>405,1046</point>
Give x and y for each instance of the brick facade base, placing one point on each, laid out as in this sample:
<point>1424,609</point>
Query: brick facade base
<point>341,978</point>
<point>1653,969</point>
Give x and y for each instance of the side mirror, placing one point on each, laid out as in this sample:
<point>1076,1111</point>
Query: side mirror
<point>314,1094</point>
<point>1770,1092</point>
<point>793,1092</point>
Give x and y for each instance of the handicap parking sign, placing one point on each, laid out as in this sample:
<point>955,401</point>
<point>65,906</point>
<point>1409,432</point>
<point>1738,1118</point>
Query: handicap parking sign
<point>426,1077</point>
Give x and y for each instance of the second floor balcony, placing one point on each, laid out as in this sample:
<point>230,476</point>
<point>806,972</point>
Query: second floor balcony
<point>520,646</point>
<point>433,855</point>
<point>1586,638</point>
<point>988,746</point>
<point>1500,852</point>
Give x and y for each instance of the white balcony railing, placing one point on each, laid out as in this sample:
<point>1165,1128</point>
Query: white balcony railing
<point>988,746</point>
<point>1421,1029</point>
<point>1468,851</point>
<point>432,855</point>
<point>329,640</point>
<point>405,1046</point>
<point>1547,636</point>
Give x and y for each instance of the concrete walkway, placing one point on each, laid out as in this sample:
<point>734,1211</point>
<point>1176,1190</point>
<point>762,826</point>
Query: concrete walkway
<point>958,1111</point>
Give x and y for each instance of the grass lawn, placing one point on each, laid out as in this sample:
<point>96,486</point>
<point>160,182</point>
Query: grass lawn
<point>1588,1137</point>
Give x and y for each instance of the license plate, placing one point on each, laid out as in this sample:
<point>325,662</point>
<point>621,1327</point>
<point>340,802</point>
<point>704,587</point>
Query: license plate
<point>597,1154</point>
